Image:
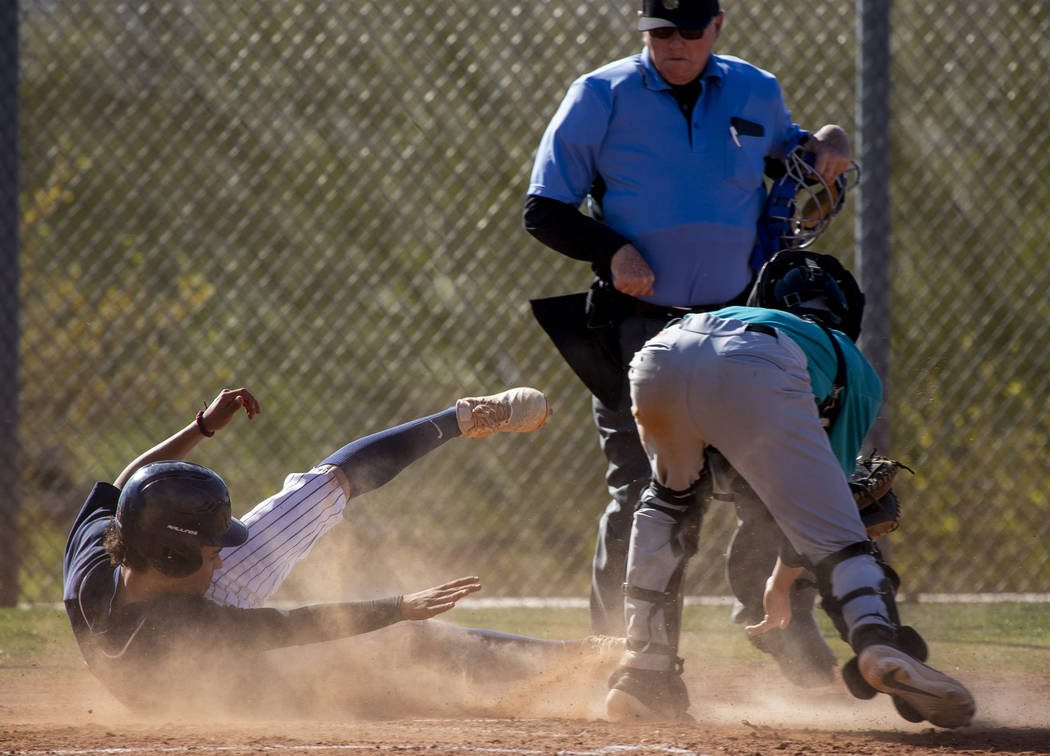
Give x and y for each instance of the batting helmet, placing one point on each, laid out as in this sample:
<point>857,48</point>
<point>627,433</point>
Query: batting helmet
<point>811,285</point>
<point>800,203</point>
<point>168,510</point>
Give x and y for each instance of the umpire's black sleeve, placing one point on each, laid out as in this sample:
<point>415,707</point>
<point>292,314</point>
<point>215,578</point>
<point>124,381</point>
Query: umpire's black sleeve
<point>565,229</point>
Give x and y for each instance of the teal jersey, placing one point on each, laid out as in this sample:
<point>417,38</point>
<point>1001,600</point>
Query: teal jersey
<point>859,401</point>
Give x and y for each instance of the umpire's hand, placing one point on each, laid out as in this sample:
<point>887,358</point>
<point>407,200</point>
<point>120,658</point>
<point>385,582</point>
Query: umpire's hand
<point>631,274</point>
<point>433,601</point>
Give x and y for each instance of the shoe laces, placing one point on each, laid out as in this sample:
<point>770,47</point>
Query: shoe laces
<point>489,415</point>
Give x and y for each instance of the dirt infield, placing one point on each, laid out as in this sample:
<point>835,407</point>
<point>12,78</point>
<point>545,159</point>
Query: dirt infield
<point>741,710</point>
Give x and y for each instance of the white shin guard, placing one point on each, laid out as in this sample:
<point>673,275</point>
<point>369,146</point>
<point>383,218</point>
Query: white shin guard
<point>863,593</point>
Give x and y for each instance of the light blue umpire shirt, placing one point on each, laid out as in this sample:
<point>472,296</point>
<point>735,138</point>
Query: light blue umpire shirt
<point>688,196</point>
<point>860,400</point>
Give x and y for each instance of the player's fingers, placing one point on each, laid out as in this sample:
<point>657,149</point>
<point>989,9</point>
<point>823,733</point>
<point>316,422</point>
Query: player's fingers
<point>472,580</point>
<point>251,406</point>
<point>242,397</point>
<point>759,629</point>
<point>432,606</point>
<point>635,288</point>
<point>768,623</point>
<point>830,166</point>
<point>453,596</point>
<point>436,609</point>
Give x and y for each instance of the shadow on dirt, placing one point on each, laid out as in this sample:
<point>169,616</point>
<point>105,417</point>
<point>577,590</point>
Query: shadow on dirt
<point>974,739</point>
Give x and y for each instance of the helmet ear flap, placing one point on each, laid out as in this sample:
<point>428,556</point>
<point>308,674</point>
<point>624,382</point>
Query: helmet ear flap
<point>177,560</point>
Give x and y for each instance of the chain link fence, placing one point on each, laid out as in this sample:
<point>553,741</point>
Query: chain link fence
<point>322,200</point>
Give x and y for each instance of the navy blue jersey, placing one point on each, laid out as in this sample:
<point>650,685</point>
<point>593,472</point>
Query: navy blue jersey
<point>141,651</point>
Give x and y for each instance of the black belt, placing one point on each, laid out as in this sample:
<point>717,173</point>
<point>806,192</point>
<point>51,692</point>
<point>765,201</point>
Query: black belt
<point>659,312</point>
<point>761,328</point>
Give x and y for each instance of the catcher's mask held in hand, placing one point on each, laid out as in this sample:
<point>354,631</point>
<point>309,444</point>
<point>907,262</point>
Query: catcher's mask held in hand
<point>168,510</point>
<point>810,285</point>
<point>800,204</point>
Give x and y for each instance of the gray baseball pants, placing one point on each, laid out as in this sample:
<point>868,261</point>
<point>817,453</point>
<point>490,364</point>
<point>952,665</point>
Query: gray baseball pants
<point>715,381</point>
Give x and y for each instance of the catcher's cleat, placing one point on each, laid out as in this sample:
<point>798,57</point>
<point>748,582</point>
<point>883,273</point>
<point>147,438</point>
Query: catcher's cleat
<point>516,410</point>
<point>918,690</point>
<point>645,695</point>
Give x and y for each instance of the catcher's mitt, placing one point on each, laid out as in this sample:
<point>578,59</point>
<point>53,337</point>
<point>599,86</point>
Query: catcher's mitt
<point>872,486</point>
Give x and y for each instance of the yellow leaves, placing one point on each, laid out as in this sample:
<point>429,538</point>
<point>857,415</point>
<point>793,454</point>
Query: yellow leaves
<point>45,200</point>
<point>926,438</point>
<point>194,290</point>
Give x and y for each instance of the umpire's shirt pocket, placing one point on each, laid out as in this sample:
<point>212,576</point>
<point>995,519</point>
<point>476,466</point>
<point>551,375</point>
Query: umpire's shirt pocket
<point>745,150</point>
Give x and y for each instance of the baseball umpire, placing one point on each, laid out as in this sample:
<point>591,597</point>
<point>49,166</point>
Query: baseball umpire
<point>780,389</point>
<point>669,149</point>
<point>161,580</point>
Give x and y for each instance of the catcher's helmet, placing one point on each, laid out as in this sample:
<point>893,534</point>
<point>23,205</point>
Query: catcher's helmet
<point>811,285</point>
<point>168,510</point>
<point>800,203</point>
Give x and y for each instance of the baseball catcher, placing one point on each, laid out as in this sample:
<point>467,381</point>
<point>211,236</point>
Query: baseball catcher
<point>160,579</point>
<point>781,390</point>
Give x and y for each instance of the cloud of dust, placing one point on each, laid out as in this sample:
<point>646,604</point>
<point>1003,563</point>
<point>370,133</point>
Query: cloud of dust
<point>359,560</point>
<point>428,668</point>
<point>435,669</point>
<point>408,670</point>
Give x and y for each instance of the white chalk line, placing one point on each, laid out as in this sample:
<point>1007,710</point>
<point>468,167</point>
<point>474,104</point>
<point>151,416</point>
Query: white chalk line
<point>431,748</point>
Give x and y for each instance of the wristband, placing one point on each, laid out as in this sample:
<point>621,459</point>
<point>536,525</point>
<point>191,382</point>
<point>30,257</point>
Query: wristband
<point>200,425</point>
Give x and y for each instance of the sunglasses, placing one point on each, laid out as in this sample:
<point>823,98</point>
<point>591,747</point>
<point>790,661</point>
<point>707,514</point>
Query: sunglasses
<point>666,32</point>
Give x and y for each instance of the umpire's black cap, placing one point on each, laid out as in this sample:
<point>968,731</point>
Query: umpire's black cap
<point>682,14</point>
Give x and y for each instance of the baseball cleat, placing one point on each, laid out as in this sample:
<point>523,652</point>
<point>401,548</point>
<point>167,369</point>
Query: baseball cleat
<point>516,410</point>
<point>644,695</point>
<point>924,691</point>
<point>605,646</point>
<point>621,706</point>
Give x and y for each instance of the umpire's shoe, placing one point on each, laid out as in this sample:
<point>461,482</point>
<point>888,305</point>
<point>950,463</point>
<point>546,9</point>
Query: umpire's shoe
<point>516,410</point>
<point>646,695</point>
<point>925,692</point>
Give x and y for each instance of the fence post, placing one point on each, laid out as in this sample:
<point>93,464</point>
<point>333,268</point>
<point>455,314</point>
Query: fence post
<point>872,220</point>
<point>9,275</point>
